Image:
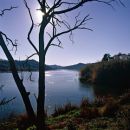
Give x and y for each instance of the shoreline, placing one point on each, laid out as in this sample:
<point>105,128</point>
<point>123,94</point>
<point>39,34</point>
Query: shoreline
<point>104,111</point>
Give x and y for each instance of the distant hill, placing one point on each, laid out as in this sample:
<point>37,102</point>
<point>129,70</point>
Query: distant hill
<point>70,67</point>
<point>55,67</point>
<point>78,66</point>
<point>32,65</point>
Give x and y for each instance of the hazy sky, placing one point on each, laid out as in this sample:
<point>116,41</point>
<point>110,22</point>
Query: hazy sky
<point>111,32</point>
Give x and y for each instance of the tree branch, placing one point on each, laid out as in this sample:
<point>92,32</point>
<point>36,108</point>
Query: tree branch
<point>42,4</point>
<point>31,28</point>
<point>54,6</point>
<point>79,4</point>
<point>28,57</point>
<point>8,40</point>
<point>78,25</point>
<point>4,101</point>
<point>5,10</point>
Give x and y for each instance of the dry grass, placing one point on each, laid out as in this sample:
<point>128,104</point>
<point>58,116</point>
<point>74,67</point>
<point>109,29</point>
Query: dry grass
<point>84,103</point>
<point>64,109</point>
<point>23,122</point>
<point>108,114</point>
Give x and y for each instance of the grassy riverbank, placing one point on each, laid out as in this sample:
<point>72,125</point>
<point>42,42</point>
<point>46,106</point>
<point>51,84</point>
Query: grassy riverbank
<point>106,113</point>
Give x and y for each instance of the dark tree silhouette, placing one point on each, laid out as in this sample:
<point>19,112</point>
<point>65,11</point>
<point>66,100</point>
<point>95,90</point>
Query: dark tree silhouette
<point>106,57</point>
<point>53,15</point>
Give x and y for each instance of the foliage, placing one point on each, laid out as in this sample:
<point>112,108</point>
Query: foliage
<point>104,116</point>
<point>84,103</point>
<point>115,72</point>
<point>106,57</point>
<point>23,122</point>
<point>109,109</point>
<point>71,126</point>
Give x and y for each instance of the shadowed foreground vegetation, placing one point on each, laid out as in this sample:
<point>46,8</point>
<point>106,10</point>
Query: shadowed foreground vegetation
<point>105,113</point>
<point>114,72</point>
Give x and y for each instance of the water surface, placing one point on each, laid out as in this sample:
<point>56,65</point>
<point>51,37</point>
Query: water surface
<point>62,86</point>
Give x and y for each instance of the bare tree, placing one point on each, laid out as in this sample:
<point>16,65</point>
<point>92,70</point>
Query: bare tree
<point>53,15</point>
<point>14,71</point>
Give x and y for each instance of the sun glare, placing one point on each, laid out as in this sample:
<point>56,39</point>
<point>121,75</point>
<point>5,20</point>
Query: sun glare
<point>39,15</point>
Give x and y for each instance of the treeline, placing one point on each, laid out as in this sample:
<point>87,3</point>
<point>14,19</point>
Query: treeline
<point>113,72</point>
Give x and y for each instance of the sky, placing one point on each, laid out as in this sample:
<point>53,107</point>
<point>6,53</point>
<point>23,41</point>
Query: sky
<point>111,32</point>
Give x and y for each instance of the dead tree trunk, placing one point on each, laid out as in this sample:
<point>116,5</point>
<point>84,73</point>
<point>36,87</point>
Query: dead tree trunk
<point>18,81</point>
<point>41,90</point>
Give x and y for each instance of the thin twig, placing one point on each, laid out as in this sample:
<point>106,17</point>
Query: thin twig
<point>5,10</point>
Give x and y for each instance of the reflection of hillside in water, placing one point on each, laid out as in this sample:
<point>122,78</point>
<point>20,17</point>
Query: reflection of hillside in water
<point>109,90</point>
<point>89,91</point>
<point>102,90</point>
